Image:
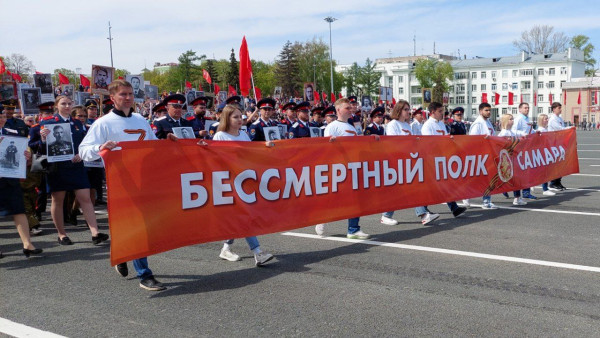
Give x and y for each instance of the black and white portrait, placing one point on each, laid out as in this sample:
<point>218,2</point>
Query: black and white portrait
<point>102,76</point>
<point>59,143</point>
<point>137,82</point>
<point>222,96</point>
<point>426,95</point>
<point>82,97</point>
<point>309,92</point>
<point>272,133</point>
<point>151,92</point>
<point>12,156</point>
<point>8,90</point>
<point>183,132</point>
<point>44,82</point>
<point>283,129</point>
<point>366,102</point>
<point>277,93</point>
<point>315,132</point>
<point>30,99</point>
<point>68,90</point>
<point>358,128</point>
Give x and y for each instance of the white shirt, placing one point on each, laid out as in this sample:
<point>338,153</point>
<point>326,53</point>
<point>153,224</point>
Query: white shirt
<point>395,127</point>
<point>542,129</point>
<point>555,122</point>
<point>224,136</point>
<point>433,127</point>
<point>339,128</point>
<point>416,126</point>
<point>506,132</point>
<point>521,125</point>
<point>481,126</point>
<point>113,127</point>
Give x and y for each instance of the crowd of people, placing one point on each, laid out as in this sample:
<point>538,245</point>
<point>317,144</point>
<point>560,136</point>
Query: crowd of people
<point>75,187</point>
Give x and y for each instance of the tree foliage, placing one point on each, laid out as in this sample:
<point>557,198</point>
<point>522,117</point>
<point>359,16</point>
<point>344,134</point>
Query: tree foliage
<point>233,71</point>
<point>541,40</point>
<point>70,74</point>
<point>287,70</point>
<point>19,64</point>
<point>368,78</point>
<point>583,43</point>
<point>435,74</point>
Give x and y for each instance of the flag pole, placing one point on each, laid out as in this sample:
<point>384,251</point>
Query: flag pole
<point>253,88</point>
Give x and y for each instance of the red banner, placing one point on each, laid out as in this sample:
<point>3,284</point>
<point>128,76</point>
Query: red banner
<point>237,189</point>
<point>206,76</point>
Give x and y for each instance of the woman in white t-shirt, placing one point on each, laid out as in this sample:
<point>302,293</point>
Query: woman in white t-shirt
<point>400,126</point>
<point>506,123</point>
<point>230,124</point>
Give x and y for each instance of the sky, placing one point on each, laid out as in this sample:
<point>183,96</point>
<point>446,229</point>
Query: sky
<point>73,34</point>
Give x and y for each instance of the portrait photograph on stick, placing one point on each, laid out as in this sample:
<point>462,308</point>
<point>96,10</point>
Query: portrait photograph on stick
<point>44,82</point>
<point>137,82</point>
<point>309,92</point>
<point>30,99</point>
<point>68,90</point>
<point>152,92</point>
<point>59,143</point>
<point>12,156</point>
<point>272,133</point>
<point>102,76</point>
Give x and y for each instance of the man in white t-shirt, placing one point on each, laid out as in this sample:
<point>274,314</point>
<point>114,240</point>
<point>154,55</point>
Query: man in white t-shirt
<point>523,127</point>
<point>555,122</point>
<point>338,128</point>
<point>121,124</point>
<point>483,126</point>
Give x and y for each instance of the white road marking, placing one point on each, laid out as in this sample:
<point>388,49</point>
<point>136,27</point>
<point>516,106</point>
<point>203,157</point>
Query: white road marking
<point>585,175</point>
<point>542,210</point>
<point>452,252</point>
<point>589,144</point>
<point>594,165</point>
<point>19,330</point>
<point>589,158</point>
<point>580,150</point>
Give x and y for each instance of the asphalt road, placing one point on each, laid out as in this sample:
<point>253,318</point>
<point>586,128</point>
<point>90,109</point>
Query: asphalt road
<point>515,271</point>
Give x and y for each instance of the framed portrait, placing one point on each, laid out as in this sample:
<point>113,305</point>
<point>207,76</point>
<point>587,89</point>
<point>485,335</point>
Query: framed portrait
<point>151,92</point>
<point>385,93</point>
<point>68,90</point>
<point>81,98</point>
<point>12,156</point>
<point>366,102</point>
<point>102,76</point>
<point>283,130</point>
<point>8,90</point>
<point>309,91</point>
<point>315,131</point>
<point>30,99</point>
<point>183,132</point>
<point>277,93</point>
<point>44,82</point>
<point>358,127</point>
<point>426,95</point>
<point>222,96</point>
<point>59,143</point>
<point>445,98</point>
<point>272,133</point>
<point>137,82</point>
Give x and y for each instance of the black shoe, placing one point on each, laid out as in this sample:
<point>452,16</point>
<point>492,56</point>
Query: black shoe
<point>1,255</point>
<point>151,284</point>
<point>561,187</point>
<point>99,238</point>
<point>122,269</point>
<point>28,252</point>
<point>65,241</point>
<point>459,211</point>
<point>100,202</point>
<point>554,187</point>
<point>505,194</point>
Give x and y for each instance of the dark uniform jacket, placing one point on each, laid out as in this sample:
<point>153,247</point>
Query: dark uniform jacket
<point>197,124</point>
<point>299,130</point>
<point>256,129</point>
<point>373,129</point>
<point>165,126</point>
<point>18,125</point>
<point>458,128</point>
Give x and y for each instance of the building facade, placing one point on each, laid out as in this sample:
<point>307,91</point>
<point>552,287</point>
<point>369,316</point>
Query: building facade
<point>531,78</point>
<point>580,100</point>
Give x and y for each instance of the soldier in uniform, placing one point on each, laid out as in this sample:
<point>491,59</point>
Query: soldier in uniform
<point>91,108</point>
<point>301,128</point>
<point>11,154</point>
<point>376,127</point>
<point>458,127</point>
<point>60,146</point>
<point>356,115</point>
<point>317,117</point>
<point>197,120</point>
<point>175,104</point>
<point>11,121</point>
<point>266,108</point>
<point>289,110</point>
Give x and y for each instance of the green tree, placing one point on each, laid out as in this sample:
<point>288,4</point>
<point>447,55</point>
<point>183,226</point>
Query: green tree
<point>286,71</point>
<point>73,78</point>
<point>434,74</point>
<point>351,80</point>
<point>582,43</point>
<point>121,73</point>
<point>313,63</point>
<point>264,77</point>
<point>368,78</point>
<point>233,71</point>
<point>187,70</point>
<point>212,71</point>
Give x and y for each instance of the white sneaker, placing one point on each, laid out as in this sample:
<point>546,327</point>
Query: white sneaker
<point>320,229</point>
<point>532,190</point>
<point>262,258</point>
<point>388,221</point>
<point>466,203</point>
<point>548,193</point>
<point>358,235</point>
<point>227,254</point>
<point>428,218</point>
<point>489,206</point>
<point>519,201</point>
<point>35,232</point>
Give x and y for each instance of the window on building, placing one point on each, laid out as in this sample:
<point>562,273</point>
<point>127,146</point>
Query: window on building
<point>401,78</point>
<point>483,75</point>
<point>504,99</point>
<point>540,85</point>
<point>550,84</point>
<point>526,84</point>
<point>526,97</point>
<point>473,88</point>
<point>460,76</point>
<point>473,112</point>
<point>451,101</point>
<point>473,75</point>
<point>460,88</point>
<point>540,98</point>
<point>526,72</point>
<point>551,71</point>
<point>401,90</point>
<point>504,73</point>
<point>593,118</point>
<point>515,73</point>
<point>540,110</point>
<point>549,110</point>
<point>415,101</point>
<point>563,70</point>
<point>540,71</point>
<point>460,100</point>
<point>505,86</point>
<point>494,86</point>
<point>514,110</point>
<point>562,84</point>
<point>483,87</point>
<point>415,90</point>
<point>514,86</point>
<point>390,81</point>
<point>504,111</point>
<point>494,74</point>
<point>474,99</point>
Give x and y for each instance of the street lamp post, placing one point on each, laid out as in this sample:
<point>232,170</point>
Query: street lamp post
<point>330,19</point>
<point>110,42</point>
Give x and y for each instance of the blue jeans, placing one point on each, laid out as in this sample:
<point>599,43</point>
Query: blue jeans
<point>452,205</point>
<point>517,193</point>
<point>418,210</point>
<point>141,266</point>
<point>545,186</point>
<point>252,242</point>
<point>353,225</point>
<point>487,199</point>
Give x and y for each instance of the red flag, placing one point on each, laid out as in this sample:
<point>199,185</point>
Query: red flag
<point>217,88</point>
<point>16,77</point>
<point>317,97</point>
<point>232,91</point>
<point>188,84</point>
<point>206,76</point>
<point>84,81</point>
<point>550,99</point>
<point>38,72</point>
<point>393,101</point>
<point>258,93</point>
<point>496,98</point>
<point>579,98</point>
<point>200,87</point>
<point>521,99</point>
<point>245,68</point>
<point>534,98</point>
<point>2,67</point>
<point>596,97</point>
<point>324,96</point>
<point>511,98</point>
<point>63,79</point>
<point>565,97</point>
<point>340,95</point>
<point>332,97</point>
<point>120,78</point>
<point>484,98</point>
<point>380,101</point>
